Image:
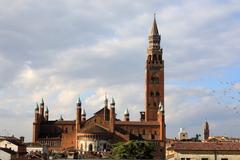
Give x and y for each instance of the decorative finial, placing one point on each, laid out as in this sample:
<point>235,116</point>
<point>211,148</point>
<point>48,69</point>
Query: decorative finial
<point>83,112</point>
<point>79,103</point>
<point>37,106</point>
<point>126,113</point>
<point>42,102</point>
<point>106,100</point>
<point>113,102</point>
<point>61,118</point>
<point>47,110</point>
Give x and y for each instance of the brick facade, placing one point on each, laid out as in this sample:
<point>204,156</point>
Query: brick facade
<point>102,129</point>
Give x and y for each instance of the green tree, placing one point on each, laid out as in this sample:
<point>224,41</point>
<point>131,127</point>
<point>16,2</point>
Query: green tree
<point>133,150</point>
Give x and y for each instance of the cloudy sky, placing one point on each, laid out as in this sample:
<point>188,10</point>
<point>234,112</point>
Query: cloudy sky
<point>60,50</point>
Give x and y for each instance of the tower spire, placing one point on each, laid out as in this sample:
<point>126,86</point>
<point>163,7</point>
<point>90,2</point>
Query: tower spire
<point>154,75</point>
<point>106,100</point>
<point>154,30</point>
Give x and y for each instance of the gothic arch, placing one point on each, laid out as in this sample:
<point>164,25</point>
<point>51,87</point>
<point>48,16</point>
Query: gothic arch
<point>90,147</point>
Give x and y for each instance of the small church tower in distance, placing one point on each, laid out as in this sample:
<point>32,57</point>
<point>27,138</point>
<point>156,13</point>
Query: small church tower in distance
<point>206,131</point>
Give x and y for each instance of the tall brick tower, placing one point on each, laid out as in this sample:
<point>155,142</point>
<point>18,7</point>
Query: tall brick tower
<point>154,75</point>
<point>206,131</point>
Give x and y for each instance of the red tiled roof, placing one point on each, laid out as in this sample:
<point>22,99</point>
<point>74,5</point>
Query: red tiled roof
<point>206,146</point>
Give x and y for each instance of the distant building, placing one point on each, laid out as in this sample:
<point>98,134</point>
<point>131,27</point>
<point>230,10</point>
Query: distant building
<point>204,151</point>
<point>14,144</point>
<point>36,148</point>
<point>7,154</point>
<point>206,131</point>
<point>223,139</point>
<point>182,134</point>
<point>209,138</point>
<point>97,133</point>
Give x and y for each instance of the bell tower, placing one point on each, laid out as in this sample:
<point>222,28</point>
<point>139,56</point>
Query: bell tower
<point>154,75</point>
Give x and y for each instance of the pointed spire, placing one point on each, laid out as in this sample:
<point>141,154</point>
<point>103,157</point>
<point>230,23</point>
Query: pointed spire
<point>126,112</point>
<point>83,112</point>
<point>106,100</point>
<point>37,107</point>
<point>154,30</point>
<point>113,102</point>
<point>42,102</point>
<point>79,103</point>
<point>47,110</point>
<point>206,126</point>
<point>61,118</point>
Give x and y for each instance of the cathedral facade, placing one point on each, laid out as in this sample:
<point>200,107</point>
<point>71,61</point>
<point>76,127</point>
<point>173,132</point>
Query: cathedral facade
<point>97,133</point>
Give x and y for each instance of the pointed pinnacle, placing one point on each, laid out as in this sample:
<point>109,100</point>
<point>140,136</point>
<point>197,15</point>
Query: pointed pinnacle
<point>154,30</point>
<point>79,103</point>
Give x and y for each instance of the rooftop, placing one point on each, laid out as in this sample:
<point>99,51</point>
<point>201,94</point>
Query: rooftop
<point>205,146</point>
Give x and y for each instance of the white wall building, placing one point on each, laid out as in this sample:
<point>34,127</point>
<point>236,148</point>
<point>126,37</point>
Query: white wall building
<point>36,147</point>
<point>182,134</point>
<point>9,145</point>
<point>7,154</point>
<point>204,151</point>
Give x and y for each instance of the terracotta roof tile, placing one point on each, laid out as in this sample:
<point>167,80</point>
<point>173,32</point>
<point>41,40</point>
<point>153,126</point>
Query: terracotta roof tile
<point>206,146</point>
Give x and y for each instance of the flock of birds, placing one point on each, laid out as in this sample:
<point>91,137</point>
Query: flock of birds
<point>228,95</point>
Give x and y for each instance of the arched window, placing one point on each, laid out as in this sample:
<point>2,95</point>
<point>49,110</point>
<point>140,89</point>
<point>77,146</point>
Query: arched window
<point>152,94</point>
<point>81,147</point>
<point>157,94</point>
<point>66,130</point>
<point>149,59</point>
<point>90,147</point>
<point>104,146</point>
<point>154,80</point>
<point>154,58</point>
<point>152,136</point>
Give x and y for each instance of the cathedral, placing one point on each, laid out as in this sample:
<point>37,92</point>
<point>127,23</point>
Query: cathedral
<point>98,132</point>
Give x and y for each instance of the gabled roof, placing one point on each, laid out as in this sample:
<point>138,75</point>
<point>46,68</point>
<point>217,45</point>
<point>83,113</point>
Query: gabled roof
<point>95,129</point>
<point>13,140</point>
<point>99,111</point>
